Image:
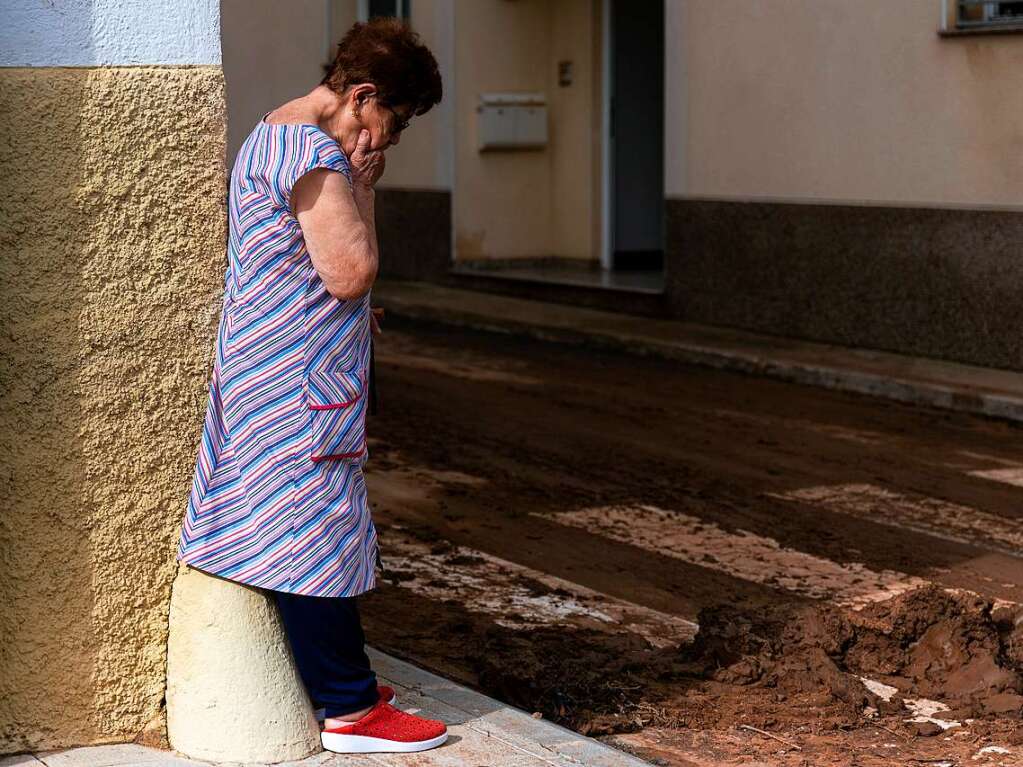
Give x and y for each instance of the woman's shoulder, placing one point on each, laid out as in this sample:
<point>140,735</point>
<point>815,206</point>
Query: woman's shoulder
<point>274,156</point>
<point>276,151</point>
<point>294,112</point>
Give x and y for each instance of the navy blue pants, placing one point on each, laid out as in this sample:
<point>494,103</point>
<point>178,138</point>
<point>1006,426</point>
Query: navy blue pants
<point>326,639</point>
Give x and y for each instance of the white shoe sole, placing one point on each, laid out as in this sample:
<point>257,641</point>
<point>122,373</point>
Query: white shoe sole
<point>363,744</point>
<point>320,712</point>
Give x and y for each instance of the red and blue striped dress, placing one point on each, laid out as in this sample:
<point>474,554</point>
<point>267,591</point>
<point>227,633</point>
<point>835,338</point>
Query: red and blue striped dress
<point>278,499</point>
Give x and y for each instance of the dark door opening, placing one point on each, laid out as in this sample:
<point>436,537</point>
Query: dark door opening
<point>637,134</point>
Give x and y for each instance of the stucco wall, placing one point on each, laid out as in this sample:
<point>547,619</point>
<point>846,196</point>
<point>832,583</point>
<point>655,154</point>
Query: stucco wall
<point>575,129</point>
<point>75,33</point>
<point>112,230</point>
<point>501,199</point>
<point>838,171</point>
<point>836,100</point>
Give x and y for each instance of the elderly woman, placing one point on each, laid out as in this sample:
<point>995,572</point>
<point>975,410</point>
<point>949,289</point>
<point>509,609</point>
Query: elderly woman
<point>278,499</point>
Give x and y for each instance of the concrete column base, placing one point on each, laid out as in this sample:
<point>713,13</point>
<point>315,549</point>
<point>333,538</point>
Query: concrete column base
<point>233,692</point>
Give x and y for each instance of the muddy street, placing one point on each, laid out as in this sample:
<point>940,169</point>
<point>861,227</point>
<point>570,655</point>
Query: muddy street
<point>698,567</point>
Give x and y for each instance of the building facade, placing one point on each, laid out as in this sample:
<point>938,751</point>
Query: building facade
<point>846,172</point>
<point>842,172</point>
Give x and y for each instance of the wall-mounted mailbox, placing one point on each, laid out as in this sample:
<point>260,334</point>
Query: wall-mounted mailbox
<point>511,121</point>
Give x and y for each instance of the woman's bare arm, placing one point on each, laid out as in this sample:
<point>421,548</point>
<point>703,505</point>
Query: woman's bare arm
<point>365,201</point>
<point>339,230</point>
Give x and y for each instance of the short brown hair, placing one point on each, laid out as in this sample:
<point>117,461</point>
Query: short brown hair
<point>386,52</point>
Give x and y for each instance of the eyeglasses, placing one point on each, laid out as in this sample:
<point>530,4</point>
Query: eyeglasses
<point>402,124</point>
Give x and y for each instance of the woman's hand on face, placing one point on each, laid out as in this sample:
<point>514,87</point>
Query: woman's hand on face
<point>367,166</point>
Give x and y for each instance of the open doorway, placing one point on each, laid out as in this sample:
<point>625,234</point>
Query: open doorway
<point>592,192</point>
<point>634,136</point>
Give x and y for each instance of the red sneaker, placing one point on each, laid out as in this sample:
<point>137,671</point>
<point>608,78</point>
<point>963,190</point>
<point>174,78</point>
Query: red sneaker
<point>385,728</point>
<point>385,693</point>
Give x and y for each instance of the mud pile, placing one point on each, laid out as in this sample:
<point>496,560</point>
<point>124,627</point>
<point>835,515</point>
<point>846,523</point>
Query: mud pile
<point>927,643</point>
<point>768,665</point>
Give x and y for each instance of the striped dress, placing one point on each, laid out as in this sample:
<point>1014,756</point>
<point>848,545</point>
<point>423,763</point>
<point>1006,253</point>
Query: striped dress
<point>278,498</point>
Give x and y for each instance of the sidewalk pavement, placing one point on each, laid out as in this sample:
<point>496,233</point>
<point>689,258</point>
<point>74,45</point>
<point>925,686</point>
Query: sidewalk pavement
<point>481,731</point>
<point>919,381</point>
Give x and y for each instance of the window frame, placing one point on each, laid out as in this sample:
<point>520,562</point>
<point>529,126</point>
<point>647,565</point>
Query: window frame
<point>952,25</point>
<point>404,10</point>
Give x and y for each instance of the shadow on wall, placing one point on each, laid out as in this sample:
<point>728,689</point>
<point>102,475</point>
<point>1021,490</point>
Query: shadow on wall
<point>50,644</point>
<point>113,243</point>
<point>37,33</point>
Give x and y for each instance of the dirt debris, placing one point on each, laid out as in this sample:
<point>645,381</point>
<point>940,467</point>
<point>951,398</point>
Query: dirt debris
<point>573,431</point>
<point>769,666</point>
<point>928,643</point>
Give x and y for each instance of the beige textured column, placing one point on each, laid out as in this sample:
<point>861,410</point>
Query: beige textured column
<point>233,692</point>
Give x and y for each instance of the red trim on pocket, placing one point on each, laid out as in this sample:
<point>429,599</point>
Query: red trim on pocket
<point>335,405</point>
<point>356,454</point>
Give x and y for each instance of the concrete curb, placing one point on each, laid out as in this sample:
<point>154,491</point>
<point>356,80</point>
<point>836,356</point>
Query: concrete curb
<point>933,383</point>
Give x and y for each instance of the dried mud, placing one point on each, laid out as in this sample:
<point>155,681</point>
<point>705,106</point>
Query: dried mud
<point>928,643</point>
<point>482,448</point>
<point>769,665</point>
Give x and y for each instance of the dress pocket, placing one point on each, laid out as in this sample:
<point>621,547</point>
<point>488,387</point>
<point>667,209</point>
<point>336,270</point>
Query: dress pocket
<point>337,409</point>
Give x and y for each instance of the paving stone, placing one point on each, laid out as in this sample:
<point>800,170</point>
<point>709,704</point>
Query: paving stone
<point>535,741</point>
<point>405,673</point>
<point>316,760</point>
<point>551,743</point>
<point>20,760</point>
<point>469,701</point>
<point>548,741</point>
<point>120,754</point>
<point>465,747</point>
<point>483,732</point>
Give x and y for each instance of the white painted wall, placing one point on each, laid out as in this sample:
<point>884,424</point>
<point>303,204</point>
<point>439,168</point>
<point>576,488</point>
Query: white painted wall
<point>824,100</point>
<point>86,33</point>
